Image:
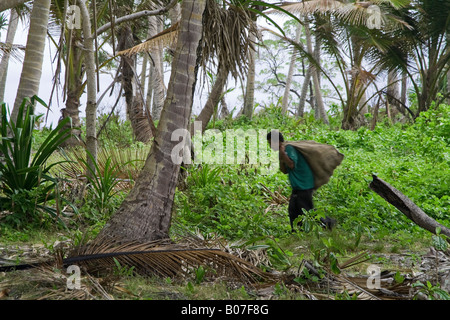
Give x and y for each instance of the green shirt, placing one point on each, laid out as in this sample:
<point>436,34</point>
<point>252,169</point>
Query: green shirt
<point>301,176</point>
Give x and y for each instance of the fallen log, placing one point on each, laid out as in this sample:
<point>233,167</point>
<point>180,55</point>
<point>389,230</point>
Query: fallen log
<point>406,206</point>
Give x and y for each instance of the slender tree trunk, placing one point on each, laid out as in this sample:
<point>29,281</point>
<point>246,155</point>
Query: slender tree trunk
<point>393,93</point>
<point>74,88</point>
<point>287,89</point>
<point>91,80</point>
<point>146,212</point>
<point>319,99</point>
<point>301,103</point>
<point>12,28</point>
<point>404,89</point>
<point>213,99</point>
<point>34,54</point>
<point>155,26</point>
<point>224,109</point>
<point>315,77</point>
<point>448,63</point>
<point>250,88</point>
<point>133,95</point>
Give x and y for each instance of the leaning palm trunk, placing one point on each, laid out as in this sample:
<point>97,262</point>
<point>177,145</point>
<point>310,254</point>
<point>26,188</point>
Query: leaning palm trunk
<point>34,55</point>
<point>213,99</point>
<point>304,92</point>
<point>145,214</point>
<point>393,93</point>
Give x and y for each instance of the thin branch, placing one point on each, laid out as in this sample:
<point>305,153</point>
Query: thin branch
<point>136,15</point>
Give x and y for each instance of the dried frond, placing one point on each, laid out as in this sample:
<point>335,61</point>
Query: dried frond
<point>14,51</point>
<point>355,13</point>
<point>226,37</point>
<point>166,38</point>
<point>309,7</point>
<point>48,283</point>
<point>163,258</point>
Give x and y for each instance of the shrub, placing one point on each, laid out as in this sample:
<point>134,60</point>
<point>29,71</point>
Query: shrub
<point>27,187</point>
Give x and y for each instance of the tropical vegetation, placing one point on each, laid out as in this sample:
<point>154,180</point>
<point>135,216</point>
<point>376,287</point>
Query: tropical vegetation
<point>100,187</point>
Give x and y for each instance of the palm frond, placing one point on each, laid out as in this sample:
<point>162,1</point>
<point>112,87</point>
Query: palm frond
<point>310,7</point>
<point>156,258</point>
<point>165,38</point>
<point>354,13</point>
<point>226,37</point>
<point>14,51</point>
<point>162,258</point>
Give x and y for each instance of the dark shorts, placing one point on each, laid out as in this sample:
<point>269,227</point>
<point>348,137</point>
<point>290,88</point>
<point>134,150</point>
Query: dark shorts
<point>300,199</point>
<point>303,200</point>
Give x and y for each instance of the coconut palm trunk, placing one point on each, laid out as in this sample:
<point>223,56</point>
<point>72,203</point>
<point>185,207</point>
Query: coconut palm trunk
<point>250,88</point>
<point>315,76</point>
<point>146,212</point>
<point>34,54</point>
<point>159,90</point>
<point>12,28</point>
<point>213,98</point>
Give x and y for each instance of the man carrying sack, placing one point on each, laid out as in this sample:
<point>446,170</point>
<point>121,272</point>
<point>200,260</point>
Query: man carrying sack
<point>309,165</point>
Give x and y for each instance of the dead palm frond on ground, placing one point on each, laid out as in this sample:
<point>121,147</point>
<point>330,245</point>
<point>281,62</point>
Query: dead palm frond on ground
<point>163,258</point>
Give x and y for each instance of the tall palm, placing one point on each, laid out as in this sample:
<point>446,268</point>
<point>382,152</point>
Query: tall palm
<point>34,54</point>
<point>341,26</point>
<point>422,52</point>
<point>146,212</point>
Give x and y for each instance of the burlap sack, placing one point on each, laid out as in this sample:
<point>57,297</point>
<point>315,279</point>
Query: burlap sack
<point>322,159</point>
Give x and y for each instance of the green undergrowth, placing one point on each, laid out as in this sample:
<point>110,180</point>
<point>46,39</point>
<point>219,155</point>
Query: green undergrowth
<point>247,207</point>
<point>237,202</point>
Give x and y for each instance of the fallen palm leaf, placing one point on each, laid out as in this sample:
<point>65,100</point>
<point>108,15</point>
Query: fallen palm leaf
<point>161,258</point>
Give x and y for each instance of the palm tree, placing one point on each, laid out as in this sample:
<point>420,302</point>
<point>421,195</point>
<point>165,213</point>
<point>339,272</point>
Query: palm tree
<point>342,28</point>
<point>34,54</point>
<point>146,212</point>
<point>425,47</point>
<point>249,98</point>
